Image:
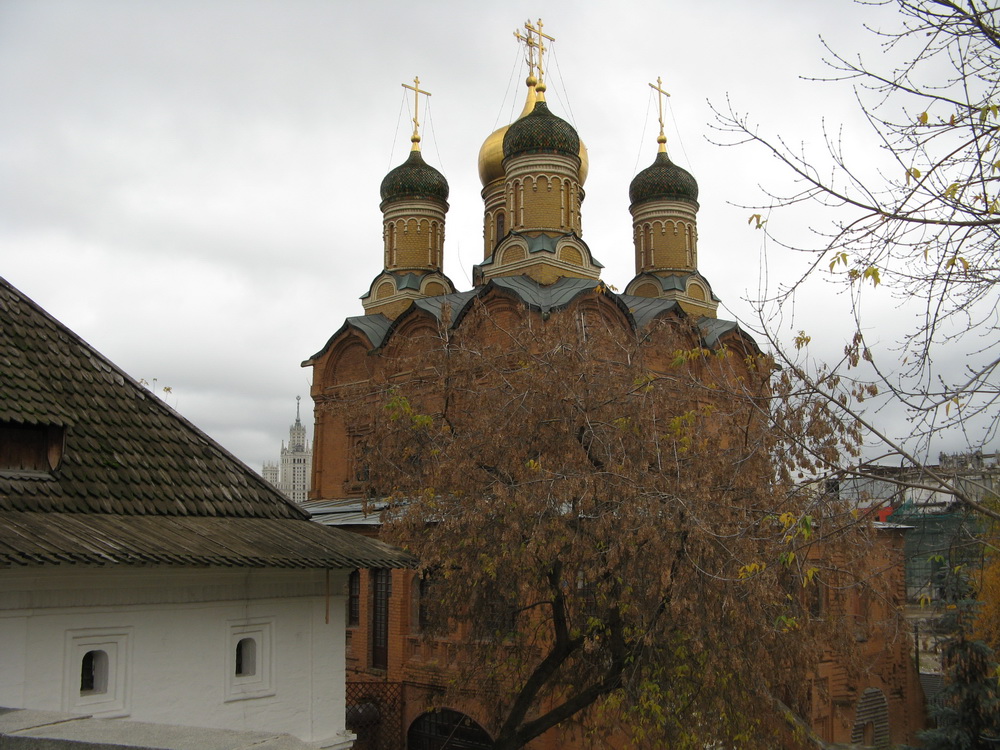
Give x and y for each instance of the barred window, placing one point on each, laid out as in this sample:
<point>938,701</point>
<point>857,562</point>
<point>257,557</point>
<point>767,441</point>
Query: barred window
<point>354,598</point>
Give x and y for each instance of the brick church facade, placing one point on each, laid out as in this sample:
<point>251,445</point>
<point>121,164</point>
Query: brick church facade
<point>535,264</point>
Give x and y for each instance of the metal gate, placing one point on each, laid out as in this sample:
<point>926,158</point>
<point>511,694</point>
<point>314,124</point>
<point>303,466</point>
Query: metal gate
<point>374,714</point>
<point>444,729</point>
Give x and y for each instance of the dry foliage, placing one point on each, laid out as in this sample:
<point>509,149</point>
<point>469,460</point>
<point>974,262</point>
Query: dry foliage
<point>608,524</point>
<point>987,578</point>
<point>920,233</point>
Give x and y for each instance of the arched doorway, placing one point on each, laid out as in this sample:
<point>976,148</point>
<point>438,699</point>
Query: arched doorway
<point>871,720</point>
<point>444,729</point>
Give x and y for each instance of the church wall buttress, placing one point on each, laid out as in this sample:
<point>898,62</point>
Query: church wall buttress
<point>316,470</point>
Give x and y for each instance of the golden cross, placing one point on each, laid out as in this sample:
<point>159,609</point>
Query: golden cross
<point>532,44</point>
<point>658,87</point>
<point>417,91</point>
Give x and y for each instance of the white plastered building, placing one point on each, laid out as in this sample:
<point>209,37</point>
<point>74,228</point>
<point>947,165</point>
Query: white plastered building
<point>145,573</point>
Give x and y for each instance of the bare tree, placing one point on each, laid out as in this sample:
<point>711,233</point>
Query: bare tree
<point>923,231</point>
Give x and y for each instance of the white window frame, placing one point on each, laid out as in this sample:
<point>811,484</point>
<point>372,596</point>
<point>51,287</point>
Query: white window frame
<point>115,700</point>
<point>260,684</point>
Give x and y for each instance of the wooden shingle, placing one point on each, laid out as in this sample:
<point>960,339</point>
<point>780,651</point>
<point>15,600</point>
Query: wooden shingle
<point>133,481</point>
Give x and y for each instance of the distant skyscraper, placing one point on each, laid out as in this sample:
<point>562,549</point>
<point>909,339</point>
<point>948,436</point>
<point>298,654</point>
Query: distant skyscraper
<point>291,474</point>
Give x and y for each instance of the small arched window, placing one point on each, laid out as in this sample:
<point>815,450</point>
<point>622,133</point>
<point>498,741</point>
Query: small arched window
<point>246,657</point>
<point>249,662</point>
<point>500,225</point>
<point>94,673</point>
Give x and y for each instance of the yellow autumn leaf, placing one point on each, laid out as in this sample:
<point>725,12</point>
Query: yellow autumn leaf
<point>840,257</point>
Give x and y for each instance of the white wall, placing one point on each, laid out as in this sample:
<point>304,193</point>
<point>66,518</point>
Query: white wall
<point>171,637</point>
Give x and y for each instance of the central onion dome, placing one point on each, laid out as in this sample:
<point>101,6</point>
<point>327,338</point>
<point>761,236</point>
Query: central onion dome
<point>540,131</point>
<point>663,180</point>
<point>491,153</point>
<point>414,178</point>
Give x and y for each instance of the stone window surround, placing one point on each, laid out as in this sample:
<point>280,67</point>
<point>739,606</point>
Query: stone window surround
<point>260,682</point>
<point>111,696</point>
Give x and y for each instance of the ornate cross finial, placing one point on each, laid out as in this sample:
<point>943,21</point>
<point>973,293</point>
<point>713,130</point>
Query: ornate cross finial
<point>530,43</point>
<point>660,93</point>
<point>535,39</point>
<point>417,91</point>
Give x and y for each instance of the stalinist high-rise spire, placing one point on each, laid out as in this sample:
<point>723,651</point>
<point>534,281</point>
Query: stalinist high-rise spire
<point>292,472</point>
<point>297,433</point>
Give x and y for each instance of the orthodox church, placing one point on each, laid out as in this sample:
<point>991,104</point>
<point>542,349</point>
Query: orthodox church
<point>535,262</point>
<point>533,173</point>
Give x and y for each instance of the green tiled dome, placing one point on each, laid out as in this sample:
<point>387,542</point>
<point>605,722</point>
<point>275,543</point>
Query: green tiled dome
<point>663,180</point>
<point>414,178</point>
<point>540,131</point>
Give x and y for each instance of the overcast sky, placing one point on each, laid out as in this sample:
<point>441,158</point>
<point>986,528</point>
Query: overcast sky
<point>193,186</point>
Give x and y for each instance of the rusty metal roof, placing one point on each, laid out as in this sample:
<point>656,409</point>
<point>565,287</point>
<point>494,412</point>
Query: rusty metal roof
<point>136,482</point>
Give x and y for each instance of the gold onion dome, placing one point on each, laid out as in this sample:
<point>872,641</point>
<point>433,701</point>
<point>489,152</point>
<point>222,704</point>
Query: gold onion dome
<point>491,154</point>
<point>491,157</point>
<point>663,180</point>
<point>414,178</point>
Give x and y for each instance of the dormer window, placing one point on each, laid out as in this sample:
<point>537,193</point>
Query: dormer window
<point>30,447</point>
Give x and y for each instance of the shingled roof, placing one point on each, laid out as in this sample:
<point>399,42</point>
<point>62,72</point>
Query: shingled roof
<point>128,480</point>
